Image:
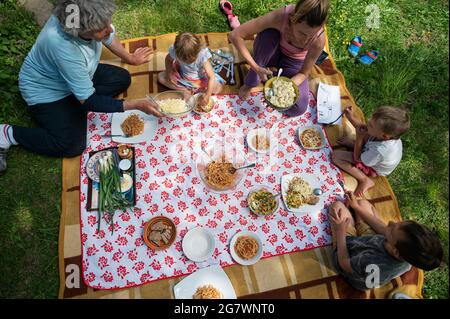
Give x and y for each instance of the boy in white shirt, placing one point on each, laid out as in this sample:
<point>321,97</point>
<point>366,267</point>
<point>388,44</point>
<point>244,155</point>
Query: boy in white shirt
<point>377,148</point>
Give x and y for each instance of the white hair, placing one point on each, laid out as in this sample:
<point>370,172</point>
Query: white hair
<point>94,15</point>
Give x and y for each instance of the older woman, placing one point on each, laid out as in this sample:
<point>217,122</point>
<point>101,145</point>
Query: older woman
<point>291,38</point>
<point>61,80</point>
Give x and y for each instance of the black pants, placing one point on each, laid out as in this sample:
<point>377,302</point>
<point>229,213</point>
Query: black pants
<point>62,130</point>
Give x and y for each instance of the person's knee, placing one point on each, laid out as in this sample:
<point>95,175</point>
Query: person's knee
<point>70,147</point>
<point>125,79</point>
<point>269,33</point>
<point>334,207</point>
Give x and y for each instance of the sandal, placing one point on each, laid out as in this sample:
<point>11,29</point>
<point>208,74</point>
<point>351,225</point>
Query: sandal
<point>369,57</point>
<point>354,46</point>
<point>227,9</point>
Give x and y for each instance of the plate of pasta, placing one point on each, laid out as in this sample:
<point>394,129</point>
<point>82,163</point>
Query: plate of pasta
<point>297,193</point>
<point>135,126</point>
<point>311,137</point>
<point>246,248</point>
<point>207,283</point>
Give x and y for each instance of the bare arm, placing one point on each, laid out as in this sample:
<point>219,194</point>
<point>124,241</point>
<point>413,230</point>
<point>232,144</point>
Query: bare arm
<point>140,56</point>
<point>313,54</point>
<point>340,223</point>
<point>342,252</point>
<point>211,80</point>
<point>252,27</point>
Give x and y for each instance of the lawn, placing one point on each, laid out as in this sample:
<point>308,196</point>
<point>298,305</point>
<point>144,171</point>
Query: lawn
<point>412,71</point>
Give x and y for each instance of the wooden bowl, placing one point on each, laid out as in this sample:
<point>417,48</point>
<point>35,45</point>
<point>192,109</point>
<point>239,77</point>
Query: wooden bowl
<point>162,245</point>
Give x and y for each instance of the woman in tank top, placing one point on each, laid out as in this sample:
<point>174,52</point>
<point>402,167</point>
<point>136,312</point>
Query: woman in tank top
<point>291,38</point>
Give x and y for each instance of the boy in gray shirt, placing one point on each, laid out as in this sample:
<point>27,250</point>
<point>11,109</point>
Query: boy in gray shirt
<point>369,253</point>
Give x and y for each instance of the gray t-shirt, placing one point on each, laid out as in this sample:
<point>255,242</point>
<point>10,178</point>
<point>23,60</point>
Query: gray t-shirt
<point>369,250</point>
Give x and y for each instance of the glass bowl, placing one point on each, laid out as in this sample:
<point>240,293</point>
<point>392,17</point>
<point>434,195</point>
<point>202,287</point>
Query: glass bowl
<point>268,189</point>
<point>233,156</point>
<point>166,95</point>
<point>268,85</point>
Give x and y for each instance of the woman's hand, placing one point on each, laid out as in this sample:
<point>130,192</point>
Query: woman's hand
<point>263,73</point>
<point>140,56</point>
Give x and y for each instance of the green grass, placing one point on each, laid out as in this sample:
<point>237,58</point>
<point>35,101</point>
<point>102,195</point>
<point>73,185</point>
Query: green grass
<point>412,71</point>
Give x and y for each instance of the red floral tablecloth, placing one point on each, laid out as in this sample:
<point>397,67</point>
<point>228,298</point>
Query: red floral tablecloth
<point>167,184</point>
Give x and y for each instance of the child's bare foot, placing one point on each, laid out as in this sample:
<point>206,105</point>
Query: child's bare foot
<point>244,92</point>
<point>346,141</point>
<point>363,187</point>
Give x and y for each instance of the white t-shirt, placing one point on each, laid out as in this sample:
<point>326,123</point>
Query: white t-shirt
<point>382,156</point>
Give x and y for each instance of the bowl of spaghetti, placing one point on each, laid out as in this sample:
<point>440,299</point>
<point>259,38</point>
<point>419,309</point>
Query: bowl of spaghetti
<point>246,248</point>
<point>215,168</point>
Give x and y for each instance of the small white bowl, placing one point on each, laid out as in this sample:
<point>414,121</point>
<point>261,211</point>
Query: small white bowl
<point>246,262</point>
<point>255,132</point>
<point>198,244</point>
<point>125,164</point>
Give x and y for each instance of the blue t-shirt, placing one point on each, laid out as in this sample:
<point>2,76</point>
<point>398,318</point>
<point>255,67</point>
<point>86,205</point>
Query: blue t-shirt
<point>59,65</point>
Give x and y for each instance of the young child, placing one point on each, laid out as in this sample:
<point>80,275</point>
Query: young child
<point>188,68</point>
<point>367,241</point>
<point>377,149</point>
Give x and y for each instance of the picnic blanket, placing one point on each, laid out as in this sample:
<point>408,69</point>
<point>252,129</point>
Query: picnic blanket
<point>303,274</point>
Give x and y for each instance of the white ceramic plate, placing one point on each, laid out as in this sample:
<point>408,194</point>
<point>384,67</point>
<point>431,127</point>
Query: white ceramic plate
<point>313,182</point>
<point>198,244</point>
<point>150,127</point>
<point>213,275</point>
<point>239,260</point>
<point>252,134</point>
<point>92,166</point>
<point>318,128</point>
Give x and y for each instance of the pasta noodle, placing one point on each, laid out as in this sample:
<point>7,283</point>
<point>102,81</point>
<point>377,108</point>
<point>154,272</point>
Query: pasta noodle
<point>133,125</point>
<point>246,247</point>
<point>207,292</point>
<point>298,193</point>
<point>218,173</point>
<point>172,106</point>
<point>311,138</point>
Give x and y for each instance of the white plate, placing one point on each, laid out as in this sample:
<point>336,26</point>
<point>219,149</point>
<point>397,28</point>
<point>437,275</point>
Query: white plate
<point>213,275</point>
<point>92,166</point>
<point>318,128</point>
<point>313,182</point>
<point>239,260</point>
<point>252,134</point>
<point>198,244</point>
<point>150,127</point>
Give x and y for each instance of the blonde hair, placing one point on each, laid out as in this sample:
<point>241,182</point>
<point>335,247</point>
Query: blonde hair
<point>187,46</point>
<point>392,121</point>
<point>314,12</point>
